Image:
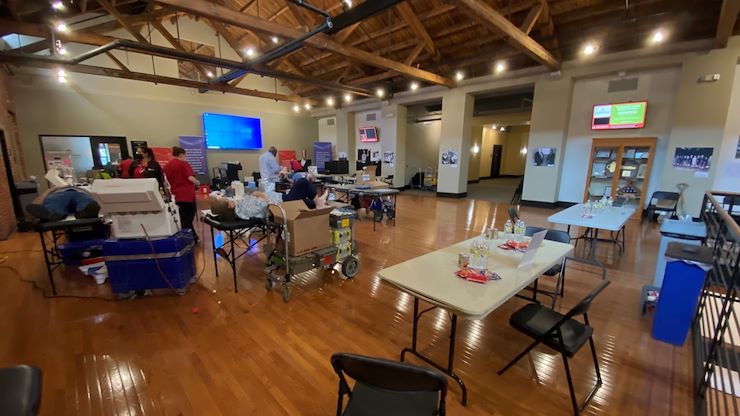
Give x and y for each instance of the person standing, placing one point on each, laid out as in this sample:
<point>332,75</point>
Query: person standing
<point>146,166</point>
<point>124,167</point>
<point>269,169</point>
<point>182,182</point>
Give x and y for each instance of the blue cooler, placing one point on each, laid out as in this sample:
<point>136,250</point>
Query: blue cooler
<point>676,231</point>
<point>138,264</point>
<point>685,272</point>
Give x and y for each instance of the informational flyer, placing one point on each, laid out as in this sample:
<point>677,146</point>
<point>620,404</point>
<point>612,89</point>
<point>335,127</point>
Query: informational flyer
<point>195,153</point>
<point>321,154</point>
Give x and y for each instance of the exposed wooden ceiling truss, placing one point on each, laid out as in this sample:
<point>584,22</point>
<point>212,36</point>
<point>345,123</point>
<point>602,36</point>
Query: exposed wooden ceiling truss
<point>428,41</point>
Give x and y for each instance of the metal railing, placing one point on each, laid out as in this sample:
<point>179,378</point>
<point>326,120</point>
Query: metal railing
<point>716,328</point>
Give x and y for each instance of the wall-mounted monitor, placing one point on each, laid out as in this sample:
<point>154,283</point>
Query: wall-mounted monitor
<point>369,134</point>
<point>226,132</point>
<point>619,116</point>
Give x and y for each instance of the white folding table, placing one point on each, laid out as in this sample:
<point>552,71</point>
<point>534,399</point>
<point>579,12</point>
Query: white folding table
<point>612,219</point>
<point>431,277</point>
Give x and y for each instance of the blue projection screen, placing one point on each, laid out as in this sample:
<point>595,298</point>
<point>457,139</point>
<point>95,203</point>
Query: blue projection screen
<point>225,132</point>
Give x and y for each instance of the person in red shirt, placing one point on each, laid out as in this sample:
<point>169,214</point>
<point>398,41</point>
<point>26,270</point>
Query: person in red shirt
<point>182,182</point>
<point>124,167</point>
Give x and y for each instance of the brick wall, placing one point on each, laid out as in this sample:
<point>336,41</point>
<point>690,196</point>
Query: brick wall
<point>12,139</point>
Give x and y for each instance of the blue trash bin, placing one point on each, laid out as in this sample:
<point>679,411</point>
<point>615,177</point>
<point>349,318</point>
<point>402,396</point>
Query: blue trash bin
<point>685,272</point>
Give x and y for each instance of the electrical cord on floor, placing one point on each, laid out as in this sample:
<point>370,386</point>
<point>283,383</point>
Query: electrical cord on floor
<point>48,296</point>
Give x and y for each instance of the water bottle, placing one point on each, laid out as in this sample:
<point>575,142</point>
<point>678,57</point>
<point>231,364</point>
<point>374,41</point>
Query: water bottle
<point>508,227</point>
<point>519,228</point>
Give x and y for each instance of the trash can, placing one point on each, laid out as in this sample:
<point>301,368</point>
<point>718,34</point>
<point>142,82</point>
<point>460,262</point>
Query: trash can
<point>686,232</point>
<point>686,269</point>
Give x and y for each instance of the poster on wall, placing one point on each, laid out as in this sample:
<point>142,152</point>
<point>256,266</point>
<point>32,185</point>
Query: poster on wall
<point>162,155</point>
<point>321,154</point>
<point>693,158</point>
<point>450,157</point>
<point>389,158</point>
<point>135,144</point>
<point>544,156</point>
<point>195,153</point>
<point>375,156</point>
<point>363,156</point>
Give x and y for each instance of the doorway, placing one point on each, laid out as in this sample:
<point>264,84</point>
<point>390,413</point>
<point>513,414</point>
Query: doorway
<point>496,156</point>
<point>108,150</point>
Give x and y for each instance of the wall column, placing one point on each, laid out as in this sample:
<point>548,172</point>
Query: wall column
<point>457,115</point>
<point>393,139</point>
<point>345,124</point>
<point>548,128</point>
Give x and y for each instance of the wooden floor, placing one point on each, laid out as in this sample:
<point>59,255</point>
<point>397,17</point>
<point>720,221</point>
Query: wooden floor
<point>252,354</point>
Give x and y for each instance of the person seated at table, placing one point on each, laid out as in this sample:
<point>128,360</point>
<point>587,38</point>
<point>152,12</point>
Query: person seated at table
<point>58,203</point>
<point>296,166</point>
<point>304,190</point>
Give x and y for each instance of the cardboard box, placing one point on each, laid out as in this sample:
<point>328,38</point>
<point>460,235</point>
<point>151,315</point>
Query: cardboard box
<point>308,228</point>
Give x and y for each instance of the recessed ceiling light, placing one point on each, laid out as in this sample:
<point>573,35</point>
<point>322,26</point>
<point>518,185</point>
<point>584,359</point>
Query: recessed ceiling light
<point>589,49</point>
<point>61,73</point>
<point>330,101</point>
<point>249,52</point>
<point>275,39</point>
<point>500,67</point>
<point>380,92</point>
<point>658,37</point>
<point>61,27</point>
<point>57,5</point>
<point>459,76</point>
<point>307,106</point>
<point>347,98</point>
<point>296,108</point>
<point>209,74</point>
<point>414,86</point>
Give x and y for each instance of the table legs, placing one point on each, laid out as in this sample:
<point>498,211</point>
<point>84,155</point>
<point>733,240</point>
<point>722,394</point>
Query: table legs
<point>48,261</point>
<point>451,356</point>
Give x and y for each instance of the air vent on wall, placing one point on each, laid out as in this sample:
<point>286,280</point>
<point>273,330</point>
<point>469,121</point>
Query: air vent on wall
<point>624,84</point>
<point>330,122</point>
<point>371,116</point>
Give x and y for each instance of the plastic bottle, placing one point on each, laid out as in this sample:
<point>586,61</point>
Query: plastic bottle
<point>508,227</point>
<point>519,228</point>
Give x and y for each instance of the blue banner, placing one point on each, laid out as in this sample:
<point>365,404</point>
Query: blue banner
<point>321,154</point>
<point>196,153</point>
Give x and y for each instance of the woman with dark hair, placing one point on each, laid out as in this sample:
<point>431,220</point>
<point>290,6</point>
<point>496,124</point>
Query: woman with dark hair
<point>182,182</point>
<point>146,166</point>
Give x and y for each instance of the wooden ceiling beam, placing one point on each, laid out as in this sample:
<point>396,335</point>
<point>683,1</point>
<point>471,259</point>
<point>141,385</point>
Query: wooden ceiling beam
<point>728,15</point>
<point>129,28</point>
<point>320,41</point>
<point>247,5</point>
<point>117,61</point>
<point>156,79</point>
<point>408,14</point>
<point>531,18</point>
<point>177,45</point>
<point>347,32</point>
<point>515,36</point>
<point>43,31</point>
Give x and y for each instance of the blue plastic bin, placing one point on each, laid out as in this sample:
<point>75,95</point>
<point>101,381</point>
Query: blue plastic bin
<point>685,272</point>
<point>133,265</point>
<point>73,252</point>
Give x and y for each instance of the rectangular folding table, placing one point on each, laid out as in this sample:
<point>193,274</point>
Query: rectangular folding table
<point>431,277</point>
<point>353,190</point>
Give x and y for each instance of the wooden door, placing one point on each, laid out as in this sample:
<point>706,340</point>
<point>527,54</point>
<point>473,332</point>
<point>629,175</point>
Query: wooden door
<point>496,156</point>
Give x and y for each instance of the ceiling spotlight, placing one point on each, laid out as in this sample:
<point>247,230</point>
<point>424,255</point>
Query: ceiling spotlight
<point>249,52</point>
<point>209,74</point>
<point>658,37</point>
<point>62,80</point>
<point>275,39</point>
<point>414,86</point>
<point>61,73</point>
<point>348,3</point>
<point>61,27</point>
<point>296,108</point>
<point>589,49</point>
<point>57,5</point>
<point>502,128</point>
<point>459,76</point>
<point>380,92</point>
<point>330,101</point>
<point>500,67</point>
<point>494,127</point>
<point>307,106</point>
<point>347,98</point>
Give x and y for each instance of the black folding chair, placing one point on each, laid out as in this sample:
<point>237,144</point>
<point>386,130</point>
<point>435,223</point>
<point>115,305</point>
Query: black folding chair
<point>388,388</point>
<point>561,333</point>
<point>669,208</point>
<point>556,270</point>
<point>20,390</point>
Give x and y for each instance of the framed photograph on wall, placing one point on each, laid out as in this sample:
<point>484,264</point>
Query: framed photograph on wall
<point>544,156</point>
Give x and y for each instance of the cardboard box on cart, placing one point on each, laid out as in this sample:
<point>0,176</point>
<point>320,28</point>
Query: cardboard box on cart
<point>308,228</point>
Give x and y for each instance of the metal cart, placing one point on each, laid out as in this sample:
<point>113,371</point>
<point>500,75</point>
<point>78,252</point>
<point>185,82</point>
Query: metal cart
<point>281,267</point>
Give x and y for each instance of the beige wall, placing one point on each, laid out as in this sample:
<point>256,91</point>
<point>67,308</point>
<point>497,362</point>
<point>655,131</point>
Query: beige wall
<point>512,142</point>
<point>328,133</point>
<point>728,171</point>
<point>422,146</point>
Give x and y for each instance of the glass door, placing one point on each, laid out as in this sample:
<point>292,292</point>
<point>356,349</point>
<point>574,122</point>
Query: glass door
<point>632,183</point>
<point>108,150</point>
<point>603,170</point>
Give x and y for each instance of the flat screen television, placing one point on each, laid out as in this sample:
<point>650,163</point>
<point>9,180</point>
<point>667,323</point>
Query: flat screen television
<point>226,132</point>
<point>619,116</point>
<point>368,134</point>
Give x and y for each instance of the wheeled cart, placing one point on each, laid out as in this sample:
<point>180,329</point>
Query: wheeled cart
<point>281,266</point>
